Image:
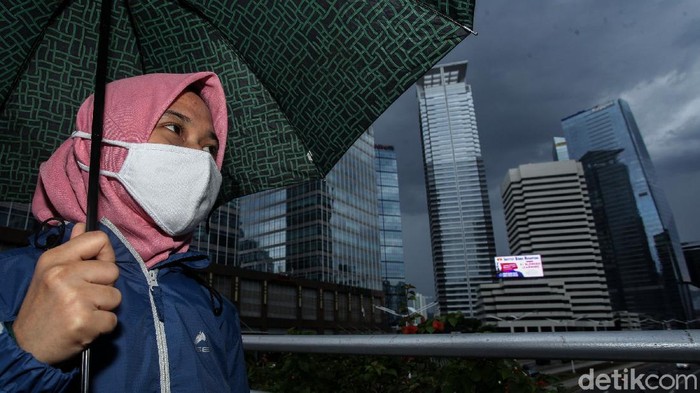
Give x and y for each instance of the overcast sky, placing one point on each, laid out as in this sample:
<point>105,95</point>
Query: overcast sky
<point>535,62</point>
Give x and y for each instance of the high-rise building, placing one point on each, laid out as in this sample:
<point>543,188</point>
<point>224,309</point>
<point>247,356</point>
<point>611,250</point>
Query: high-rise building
<point>633,280</point>
<point>325,230</point>
<point>16,215</point>
<point>393,274</point>
<point>691,251</point>
<point>611,127</point>
<point>16,221</point>
<point>421,305</point>
<point>461,231</point>
<point>547,212</point>
<point>559,149</point>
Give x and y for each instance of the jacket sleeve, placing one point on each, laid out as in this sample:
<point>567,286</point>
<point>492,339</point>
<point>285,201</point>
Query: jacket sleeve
<point>19,370</point>
<point>238,376</point>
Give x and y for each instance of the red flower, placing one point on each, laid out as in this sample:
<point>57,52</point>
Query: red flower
<point>438,326</point>
<point>409,329</point>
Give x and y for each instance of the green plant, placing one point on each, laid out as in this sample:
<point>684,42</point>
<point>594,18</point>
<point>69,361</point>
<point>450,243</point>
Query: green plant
<point>311,373</point>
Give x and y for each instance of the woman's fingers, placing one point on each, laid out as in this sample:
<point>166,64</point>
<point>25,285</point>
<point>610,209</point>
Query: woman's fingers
<point>87,245</point>
<point>70,298</point>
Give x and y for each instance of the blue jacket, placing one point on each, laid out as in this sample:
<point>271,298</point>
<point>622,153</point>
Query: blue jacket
<point>173,335</point>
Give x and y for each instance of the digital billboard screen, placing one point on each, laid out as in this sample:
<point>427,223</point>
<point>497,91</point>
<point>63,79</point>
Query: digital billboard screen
<point>519,266</point>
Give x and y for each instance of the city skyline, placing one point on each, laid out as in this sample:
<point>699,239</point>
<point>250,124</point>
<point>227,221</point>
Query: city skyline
<point>534,64</point>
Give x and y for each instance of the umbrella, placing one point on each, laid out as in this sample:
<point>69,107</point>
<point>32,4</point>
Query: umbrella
<point>303,78</point>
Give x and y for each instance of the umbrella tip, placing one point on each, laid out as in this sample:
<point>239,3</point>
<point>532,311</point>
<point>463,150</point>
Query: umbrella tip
<point>471,31</point>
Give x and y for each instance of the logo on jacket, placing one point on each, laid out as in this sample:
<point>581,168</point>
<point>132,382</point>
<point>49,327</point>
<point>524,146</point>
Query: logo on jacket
<point>200,342</point>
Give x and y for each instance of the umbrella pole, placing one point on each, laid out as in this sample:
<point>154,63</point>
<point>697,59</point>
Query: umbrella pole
<point>95,151</point>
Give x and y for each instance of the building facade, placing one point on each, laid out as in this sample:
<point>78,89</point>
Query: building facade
<point>393,272</point>
<point>611,128</point>
<point>461,230</point>
<point>691,252</point>
<point>16,215</point>
<point>547,212</point>
<point>633,280</point>
<point>559,150</point>
<point>325,230</point>
<point>219,237</point>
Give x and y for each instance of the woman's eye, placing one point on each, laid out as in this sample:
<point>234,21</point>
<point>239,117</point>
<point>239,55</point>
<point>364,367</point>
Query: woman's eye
<point>174,128</point>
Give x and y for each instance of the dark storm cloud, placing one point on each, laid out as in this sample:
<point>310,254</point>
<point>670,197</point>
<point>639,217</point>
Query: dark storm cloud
<point>536,62</point>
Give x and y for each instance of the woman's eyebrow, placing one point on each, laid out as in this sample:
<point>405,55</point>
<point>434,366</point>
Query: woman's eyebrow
<point>186,119</point>
<point>179,115</point>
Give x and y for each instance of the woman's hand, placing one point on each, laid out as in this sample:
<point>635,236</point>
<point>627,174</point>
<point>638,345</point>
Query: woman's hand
<point>70,298</point>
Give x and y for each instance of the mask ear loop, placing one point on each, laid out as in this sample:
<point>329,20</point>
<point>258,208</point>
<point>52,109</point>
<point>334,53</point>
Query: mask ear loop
<point>51,240</point>
<point>207,225</point>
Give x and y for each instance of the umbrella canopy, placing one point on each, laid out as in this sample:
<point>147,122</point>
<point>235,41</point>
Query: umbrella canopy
<point>304,79</point>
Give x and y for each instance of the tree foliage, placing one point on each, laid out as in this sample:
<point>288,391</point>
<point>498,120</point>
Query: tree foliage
<point>311,373</point>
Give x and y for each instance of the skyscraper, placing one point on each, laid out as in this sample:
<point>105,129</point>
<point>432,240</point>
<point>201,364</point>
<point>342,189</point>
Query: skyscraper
<point>461,231</point>
<point>610,132</point>
<point>633,279</point>
<point>392,262</point>
<point>547,212</point>
<point>559,149</point>
<point>325,230</point>
<point>219,236</point>
<point>691,251</point>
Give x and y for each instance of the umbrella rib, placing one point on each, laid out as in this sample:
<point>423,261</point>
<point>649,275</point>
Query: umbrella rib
<point>35,45</point>
<point>229,44</point>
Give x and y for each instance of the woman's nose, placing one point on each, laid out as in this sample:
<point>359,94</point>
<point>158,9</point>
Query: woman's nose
<point>193,144</point>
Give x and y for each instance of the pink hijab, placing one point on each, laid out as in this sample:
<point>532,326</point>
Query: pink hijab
<point>133,106</point>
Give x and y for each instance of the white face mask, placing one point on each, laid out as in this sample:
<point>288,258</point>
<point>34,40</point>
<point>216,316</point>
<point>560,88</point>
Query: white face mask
<point>176,186</point>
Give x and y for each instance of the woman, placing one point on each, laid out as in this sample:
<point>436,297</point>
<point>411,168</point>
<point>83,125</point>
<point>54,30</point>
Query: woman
<point>129,291</point>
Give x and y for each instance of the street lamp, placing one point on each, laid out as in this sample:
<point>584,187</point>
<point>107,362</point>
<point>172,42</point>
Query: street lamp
<point>516,317</point>
<point>411,310</point>
<point>508,321</point>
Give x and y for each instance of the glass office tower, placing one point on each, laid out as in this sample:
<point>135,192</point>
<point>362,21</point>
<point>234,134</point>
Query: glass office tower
<point>219,237</point>
<point>391,241</point>
<point>458,206</point>
<point>17,215</point>
<point>325,230</point>
<point>559,150</point>
<point>611,133</point>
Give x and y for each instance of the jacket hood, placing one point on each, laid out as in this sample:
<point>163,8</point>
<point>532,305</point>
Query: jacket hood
<point>133,106</point>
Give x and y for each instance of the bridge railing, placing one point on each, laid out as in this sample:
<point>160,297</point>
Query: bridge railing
<point>652,346</point>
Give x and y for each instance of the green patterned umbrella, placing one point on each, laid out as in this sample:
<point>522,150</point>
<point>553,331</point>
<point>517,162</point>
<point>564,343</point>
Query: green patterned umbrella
<point>303,78</point>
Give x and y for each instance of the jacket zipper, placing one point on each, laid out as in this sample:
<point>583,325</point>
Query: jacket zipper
<point>154,294</point>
